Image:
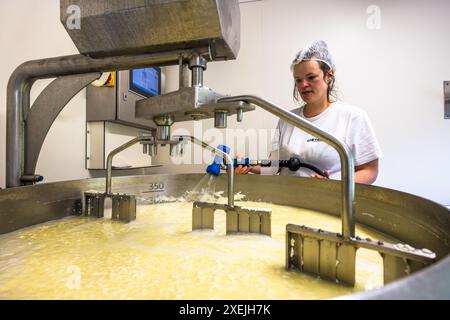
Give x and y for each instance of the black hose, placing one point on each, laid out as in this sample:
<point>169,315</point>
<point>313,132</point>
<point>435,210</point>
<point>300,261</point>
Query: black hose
<point>315,169</point>
<point>294,163</point>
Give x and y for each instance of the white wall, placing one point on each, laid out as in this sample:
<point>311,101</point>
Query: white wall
<point>395,73</point>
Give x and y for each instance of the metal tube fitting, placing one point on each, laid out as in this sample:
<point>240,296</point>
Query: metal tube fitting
<point>197,64</point>
<point>163,133</point>
<point>220,119</point>
<point>239,114</point>
<point>163,122</point>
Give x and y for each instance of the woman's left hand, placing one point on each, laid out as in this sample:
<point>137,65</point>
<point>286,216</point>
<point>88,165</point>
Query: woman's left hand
<point>318,176</point>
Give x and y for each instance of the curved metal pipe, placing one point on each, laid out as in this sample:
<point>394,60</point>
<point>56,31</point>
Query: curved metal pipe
<point>223,154</point>
<point>347,165</point>
<point>111,155</point>
<point>23,77</point>
<point>175,140</point>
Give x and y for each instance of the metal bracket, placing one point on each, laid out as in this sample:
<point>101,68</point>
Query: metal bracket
<point>44,111</point>
<point>123,207</point>
<point>332,256</point>
<point>94,204</point>
<point>238,219</point>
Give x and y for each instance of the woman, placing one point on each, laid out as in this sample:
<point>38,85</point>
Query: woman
<point>313,72</point>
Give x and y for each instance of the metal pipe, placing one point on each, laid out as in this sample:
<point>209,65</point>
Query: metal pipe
<point>346,158</point>
<point>197,77</point>
<point>220,119</point>
<point>229,164</point>
<point>32,178</point>
<point>148,141</point>
<point>163,133</point>
<point>180,72</point>
<point>175,140</point>
<point>111,156</point>
<point>197,64</point>
<point>23,77</point>
<point>239,114</point>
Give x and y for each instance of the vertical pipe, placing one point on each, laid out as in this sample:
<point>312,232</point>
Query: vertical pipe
<point>345,155</point>
<point>197,76</point>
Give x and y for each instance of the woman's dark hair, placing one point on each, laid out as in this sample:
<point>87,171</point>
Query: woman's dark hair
<point>331,93</point>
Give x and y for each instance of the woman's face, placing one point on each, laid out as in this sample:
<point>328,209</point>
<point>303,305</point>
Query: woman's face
<point>310,82</point>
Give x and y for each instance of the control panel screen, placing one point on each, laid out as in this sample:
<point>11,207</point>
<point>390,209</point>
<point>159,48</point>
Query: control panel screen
<point>146,81</point>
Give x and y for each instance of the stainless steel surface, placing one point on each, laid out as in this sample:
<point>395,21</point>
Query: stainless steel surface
<point>46,108</point>
<point>23,77</point>
<point>164,120</point>
<point>239,115</point>
<point>97,133</point>
<point>446,99</point>
<point>197,77</point>
<point>197,64</point>
<point>408,218</point>
<point>345,155</point>
<point>187,104</point>
<point>94,204</point>
<point>197,61</point>
<point>163,123</point>
<point>253,220</point>
<point>163,133</point>
<point>95,144</point>
<point>333,257</point>
<point>133,27</point>
<point>152,150</point>
<point>238,219</point>
<point>123,207</point>
<point>220,119</point>
<point>183,73</point>
<point>101,103</point>
<point>116,103</point>
<point>203,215</point>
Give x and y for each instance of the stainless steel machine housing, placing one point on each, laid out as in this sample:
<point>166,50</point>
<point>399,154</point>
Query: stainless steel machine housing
<point>121,27</point>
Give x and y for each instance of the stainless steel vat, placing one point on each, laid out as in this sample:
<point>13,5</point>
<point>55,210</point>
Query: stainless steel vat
<point>408,218</point>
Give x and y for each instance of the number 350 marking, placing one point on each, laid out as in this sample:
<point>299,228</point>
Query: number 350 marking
<point>158,186</point>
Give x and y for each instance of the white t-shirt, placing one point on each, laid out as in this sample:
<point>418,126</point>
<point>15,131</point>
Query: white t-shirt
<point>348,123</point>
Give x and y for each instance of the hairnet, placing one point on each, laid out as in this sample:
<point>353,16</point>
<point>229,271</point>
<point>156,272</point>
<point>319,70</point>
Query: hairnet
<point>318,51</point>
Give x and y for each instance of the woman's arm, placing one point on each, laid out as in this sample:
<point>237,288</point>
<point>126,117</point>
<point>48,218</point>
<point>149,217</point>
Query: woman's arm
<point>367,173</point>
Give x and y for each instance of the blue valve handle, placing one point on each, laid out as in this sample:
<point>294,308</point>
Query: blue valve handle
<point>214,168</point>
<point>244,162</point>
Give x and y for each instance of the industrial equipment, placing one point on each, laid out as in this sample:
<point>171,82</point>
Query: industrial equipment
<point>191,33</point>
